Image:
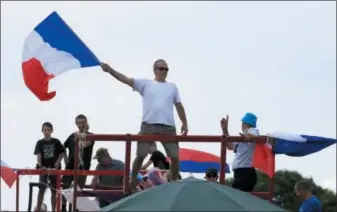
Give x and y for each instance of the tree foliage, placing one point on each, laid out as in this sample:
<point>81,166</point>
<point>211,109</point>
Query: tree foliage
<point>284,195</point>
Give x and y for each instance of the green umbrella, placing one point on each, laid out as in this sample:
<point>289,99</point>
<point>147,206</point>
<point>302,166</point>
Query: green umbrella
<point>192,194</point>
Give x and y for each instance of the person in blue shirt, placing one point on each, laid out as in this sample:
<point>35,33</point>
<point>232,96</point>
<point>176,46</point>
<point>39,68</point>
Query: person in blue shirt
<point>310,202</point>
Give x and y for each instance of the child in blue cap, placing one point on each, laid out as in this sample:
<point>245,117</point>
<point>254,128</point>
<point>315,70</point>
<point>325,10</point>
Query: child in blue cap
<point>244,173</point>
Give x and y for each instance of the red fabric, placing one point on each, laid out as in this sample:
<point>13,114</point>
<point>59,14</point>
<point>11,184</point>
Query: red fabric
<point>8,175</point>
<point>197,156</point>
<point>37,80</point>
<point>264,160</point>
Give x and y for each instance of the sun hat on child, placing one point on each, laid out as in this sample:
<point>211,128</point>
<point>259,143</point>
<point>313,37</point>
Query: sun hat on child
<point>249,118</point>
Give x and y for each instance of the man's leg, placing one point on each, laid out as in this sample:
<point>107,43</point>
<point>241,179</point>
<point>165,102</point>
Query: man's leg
<point>143,149</point>
<point>42,188</point>
<point>172,151</point>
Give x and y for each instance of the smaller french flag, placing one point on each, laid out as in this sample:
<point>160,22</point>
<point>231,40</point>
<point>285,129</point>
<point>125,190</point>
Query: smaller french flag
<point>294,145</point>
<point>7,174</point>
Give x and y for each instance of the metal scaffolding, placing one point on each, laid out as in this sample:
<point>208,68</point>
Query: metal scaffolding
<point>128,138</point>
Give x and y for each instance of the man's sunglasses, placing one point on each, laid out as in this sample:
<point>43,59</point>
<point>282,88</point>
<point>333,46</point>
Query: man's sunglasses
<point>211,175</point>
<point>145,179</point>
<point>163,69</point>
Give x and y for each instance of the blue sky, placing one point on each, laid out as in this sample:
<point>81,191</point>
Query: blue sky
<point>276,59</point>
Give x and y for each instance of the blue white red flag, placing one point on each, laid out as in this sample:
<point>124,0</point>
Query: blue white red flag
<point>51,49</point>
<point>295,145</point>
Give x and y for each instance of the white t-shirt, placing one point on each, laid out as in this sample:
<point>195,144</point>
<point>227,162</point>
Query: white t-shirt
<point>244,154</point>
<point>158,100</point>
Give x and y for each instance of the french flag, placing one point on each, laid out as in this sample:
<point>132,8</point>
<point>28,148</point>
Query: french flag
<point>288,144</point>
<point>52,48</point>
<point>7,174</point>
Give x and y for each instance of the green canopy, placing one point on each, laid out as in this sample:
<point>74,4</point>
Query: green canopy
<point>192,194</point>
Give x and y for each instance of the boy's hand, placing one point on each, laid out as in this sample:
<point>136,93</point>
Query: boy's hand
<point>245,136</point>
<point>57,165</point>
<point>224,123</point>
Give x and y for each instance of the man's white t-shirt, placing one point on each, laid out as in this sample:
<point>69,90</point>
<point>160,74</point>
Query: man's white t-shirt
<point>158,100</point>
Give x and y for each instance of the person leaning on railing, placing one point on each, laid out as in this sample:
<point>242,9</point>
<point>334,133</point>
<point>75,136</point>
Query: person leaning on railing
<point>85,155</point>
<point>105,162</point>
<point>49,152</point>
<point>245,176</point>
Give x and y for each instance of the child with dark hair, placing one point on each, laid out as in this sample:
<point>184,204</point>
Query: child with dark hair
<point>49,152</point>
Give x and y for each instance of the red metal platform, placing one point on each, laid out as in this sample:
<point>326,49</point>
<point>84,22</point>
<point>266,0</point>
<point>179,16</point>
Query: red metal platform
<point>128,138</point>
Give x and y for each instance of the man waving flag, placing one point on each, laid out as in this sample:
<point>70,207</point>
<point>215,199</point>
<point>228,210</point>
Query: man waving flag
<point>52,48</point>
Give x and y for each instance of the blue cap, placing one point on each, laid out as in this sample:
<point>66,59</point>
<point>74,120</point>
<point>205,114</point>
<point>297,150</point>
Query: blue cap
<point>250,119</point>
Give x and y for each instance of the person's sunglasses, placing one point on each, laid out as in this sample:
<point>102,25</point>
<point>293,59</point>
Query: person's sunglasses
<point>163,69</point>
<point>211,175</point>
<point>145,179</point>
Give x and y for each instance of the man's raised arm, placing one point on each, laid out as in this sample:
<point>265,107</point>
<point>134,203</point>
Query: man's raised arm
<point>120,77</point>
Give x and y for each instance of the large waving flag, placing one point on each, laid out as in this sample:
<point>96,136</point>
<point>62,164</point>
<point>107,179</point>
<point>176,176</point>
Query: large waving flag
<point>288,144</point>
<point>7,174</point>
<point>195,161</point>
<point>52,48</point>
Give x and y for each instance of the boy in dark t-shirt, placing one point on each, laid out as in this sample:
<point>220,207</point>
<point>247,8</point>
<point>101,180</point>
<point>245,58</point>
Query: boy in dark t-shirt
<point>157,158</point>
<point>49,152</point>
<point>85,155</point>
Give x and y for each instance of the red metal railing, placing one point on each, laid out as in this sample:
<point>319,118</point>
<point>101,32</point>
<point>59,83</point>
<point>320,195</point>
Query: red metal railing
<point>128,138</point>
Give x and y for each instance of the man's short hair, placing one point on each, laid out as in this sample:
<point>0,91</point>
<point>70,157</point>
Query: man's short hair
<point>158,61</point>
<point>47,124</point>
<point>80,116</point>
<point>304,185</point>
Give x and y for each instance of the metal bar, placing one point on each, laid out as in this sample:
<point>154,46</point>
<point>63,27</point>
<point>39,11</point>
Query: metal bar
<point>127,165</point>
<point>94,193</point>
<point>271,181</point>
<point>75,177</point>
<point>17,204</point>
<point>129,138</point>
<point>58,194</point>
<point>30,197</point>
<point>223,156</point>
<point>165,138</point>
<point>72,172</point>
<point>69,172</point>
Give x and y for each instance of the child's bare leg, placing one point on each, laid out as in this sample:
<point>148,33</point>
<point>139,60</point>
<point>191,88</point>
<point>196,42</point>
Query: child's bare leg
<point>40,197</point>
